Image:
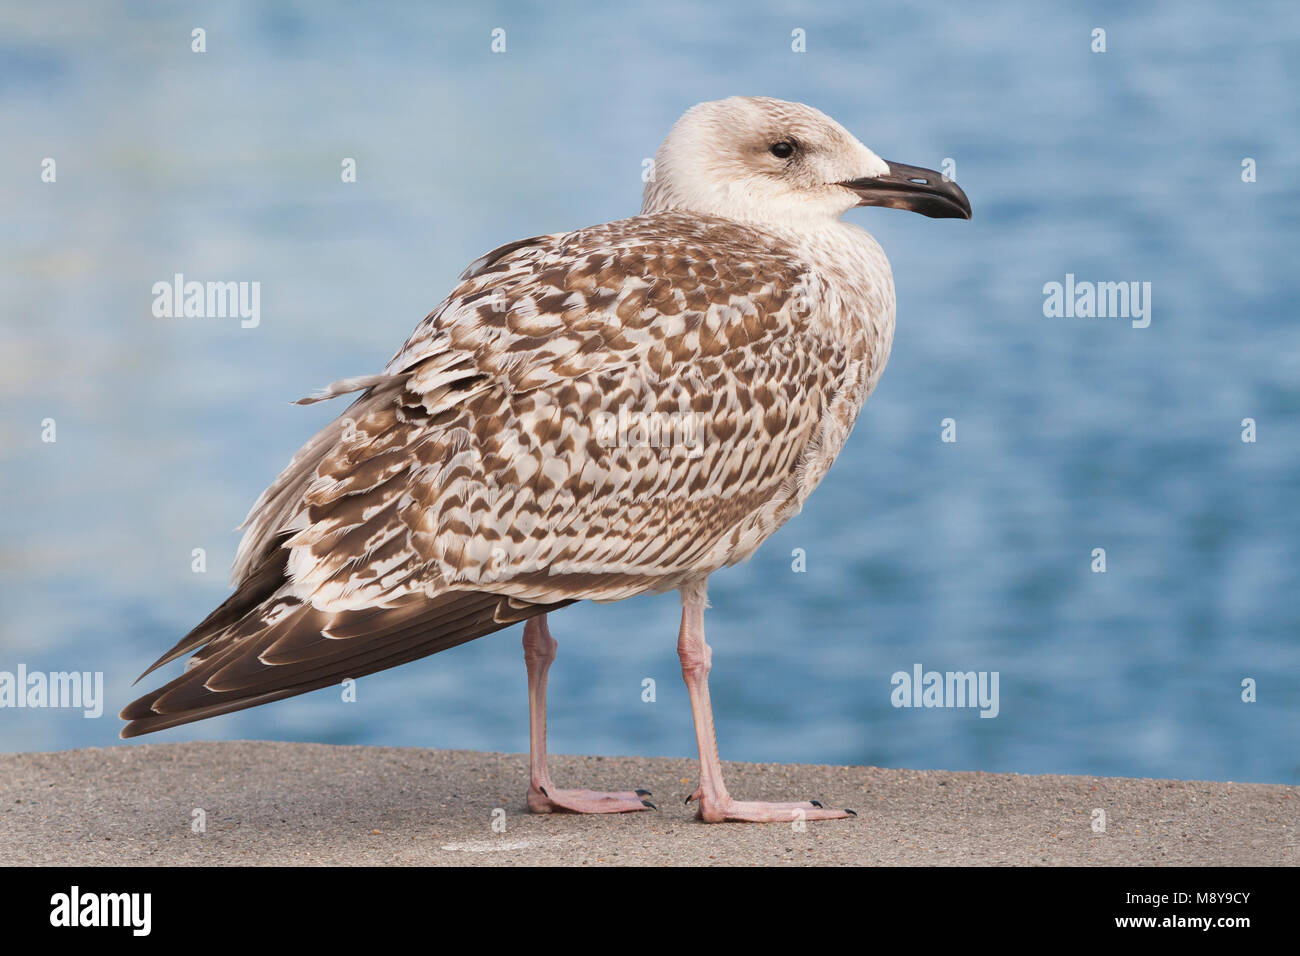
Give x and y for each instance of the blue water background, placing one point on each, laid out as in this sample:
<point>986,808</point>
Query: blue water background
<point>1073,434</point>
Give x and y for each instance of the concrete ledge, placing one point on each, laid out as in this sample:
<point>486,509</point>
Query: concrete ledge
<point>277,803</point>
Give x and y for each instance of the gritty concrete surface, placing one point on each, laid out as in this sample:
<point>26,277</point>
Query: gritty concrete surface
<point>278,803</point>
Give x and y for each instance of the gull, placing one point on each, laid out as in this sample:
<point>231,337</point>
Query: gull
<point>589,416</point>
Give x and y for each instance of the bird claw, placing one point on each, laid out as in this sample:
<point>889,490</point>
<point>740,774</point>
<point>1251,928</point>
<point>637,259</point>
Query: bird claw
<point>542,800</point>
<point>738,811</point>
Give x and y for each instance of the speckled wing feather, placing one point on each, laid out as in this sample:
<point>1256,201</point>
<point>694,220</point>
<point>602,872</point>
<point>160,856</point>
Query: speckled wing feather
<point>589,415</point>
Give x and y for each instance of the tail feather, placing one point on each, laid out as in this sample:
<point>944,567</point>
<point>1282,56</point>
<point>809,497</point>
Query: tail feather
<point>272,652</point>
<point>256,588</point>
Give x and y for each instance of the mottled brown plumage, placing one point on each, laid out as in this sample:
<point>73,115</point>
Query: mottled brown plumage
<point>590,415</point>
<point>475,467</point>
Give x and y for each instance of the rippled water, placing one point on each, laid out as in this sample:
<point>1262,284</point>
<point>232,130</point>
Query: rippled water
<point>1073,434</point>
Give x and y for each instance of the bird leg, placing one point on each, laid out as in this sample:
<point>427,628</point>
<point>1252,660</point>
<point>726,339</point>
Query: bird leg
<point>716,805</point>
<point>543,796</point>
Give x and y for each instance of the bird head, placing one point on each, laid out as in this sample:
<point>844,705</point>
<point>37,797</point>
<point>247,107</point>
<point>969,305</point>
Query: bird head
<point>761,160</point>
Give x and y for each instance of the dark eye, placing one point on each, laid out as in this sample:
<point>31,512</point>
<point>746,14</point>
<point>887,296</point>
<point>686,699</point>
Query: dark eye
<point>781,150</point>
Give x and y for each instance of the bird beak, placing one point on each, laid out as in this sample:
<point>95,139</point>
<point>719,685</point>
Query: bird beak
<point>915,188</point>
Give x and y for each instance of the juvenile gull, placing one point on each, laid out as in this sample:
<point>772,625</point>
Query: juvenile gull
<point>485,477</point>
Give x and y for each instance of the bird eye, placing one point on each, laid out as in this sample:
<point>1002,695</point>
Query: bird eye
<point>782,150</point>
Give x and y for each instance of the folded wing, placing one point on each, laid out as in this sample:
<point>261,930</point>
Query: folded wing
<point>590,415</point>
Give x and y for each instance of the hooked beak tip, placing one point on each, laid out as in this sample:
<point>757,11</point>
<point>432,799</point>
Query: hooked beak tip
<point>915,189</point>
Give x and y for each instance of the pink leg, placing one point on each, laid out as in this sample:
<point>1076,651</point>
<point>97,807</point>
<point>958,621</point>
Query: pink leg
<point>716,805</point>
<point>543,796</point>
